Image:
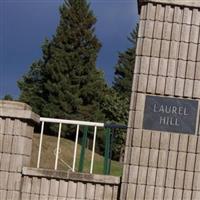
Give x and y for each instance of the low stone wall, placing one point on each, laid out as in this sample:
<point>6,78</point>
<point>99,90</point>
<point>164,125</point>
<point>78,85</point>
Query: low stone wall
<point>18,182</point>
<point>60,185</point>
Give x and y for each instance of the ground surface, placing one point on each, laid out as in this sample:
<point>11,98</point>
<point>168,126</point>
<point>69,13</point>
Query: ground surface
<point>66,156</point>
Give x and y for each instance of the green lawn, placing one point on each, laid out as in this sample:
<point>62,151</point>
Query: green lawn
<point>66,156</point>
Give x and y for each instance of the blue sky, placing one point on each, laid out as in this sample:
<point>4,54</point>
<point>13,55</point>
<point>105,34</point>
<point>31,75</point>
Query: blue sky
<point>24,24</point>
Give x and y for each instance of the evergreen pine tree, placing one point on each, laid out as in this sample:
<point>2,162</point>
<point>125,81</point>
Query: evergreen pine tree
<point>31,87</point>
<point>8,97</point>
<point>65,82</point>
<point>121,97</point>
<point>125,66</point>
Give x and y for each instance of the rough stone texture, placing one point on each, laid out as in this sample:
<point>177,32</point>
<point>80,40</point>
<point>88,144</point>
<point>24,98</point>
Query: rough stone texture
<point>164,165</point>
<point>17,110</point>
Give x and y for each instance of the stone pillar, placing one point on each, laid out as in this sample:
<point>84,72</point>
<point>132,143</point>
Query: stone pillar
<point>164,164</point>
<point>16,131</point>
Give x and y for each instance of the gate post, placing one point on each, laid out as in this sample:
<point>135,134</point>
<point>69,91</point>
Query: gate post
<point>162,153</point>
<point>16,131</point>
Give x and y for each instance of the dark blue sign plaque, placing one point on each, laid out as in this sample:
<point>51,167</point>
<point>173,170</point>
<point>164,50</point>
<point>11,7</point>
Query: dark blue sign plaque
<point>170,114</point>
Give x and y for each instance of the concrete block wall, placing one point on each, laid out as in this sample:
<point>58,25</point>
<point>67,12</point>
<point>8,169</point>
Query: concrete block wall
<point>168,51</point>
<point>163,165</point>
<point>158,162</point>
<point>49,184</point>
<point>19,182</point>
<point>16,129</point>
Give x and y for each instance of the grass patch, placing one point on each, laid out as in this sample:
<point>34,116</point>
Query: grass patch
<point>66,156</point>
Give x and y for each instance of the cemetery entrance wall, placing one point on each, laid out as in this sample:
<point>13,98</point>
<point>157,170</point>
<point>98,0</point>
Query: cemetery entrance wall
<point>162,154</point>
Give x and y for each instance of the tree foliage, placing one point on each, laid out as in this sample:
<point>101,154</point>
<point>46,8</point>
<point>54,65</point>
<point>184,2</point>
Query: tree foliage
<point>64,82</point>
<point>115,108</point>
<point>125,67</point>
<point>119,105</point>
<point>31,87</point>
<point>8,97</point>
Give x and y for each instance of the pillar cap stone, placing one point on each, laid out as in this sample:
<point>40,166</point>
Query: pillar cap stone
<point>69,175</point>
<point>184,3</point>
<point>15,109</point>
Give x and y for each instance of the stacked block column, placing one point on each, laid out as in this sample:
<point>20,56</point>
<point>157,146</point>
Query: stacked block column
<point>163,165</point>
<point>16,129</point>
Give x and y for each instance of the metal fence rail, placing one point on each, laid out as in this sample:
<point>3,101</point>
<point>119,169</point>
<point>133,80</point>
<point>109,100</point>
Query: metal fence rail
<point>108,141</point>
<point>69,122</point>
